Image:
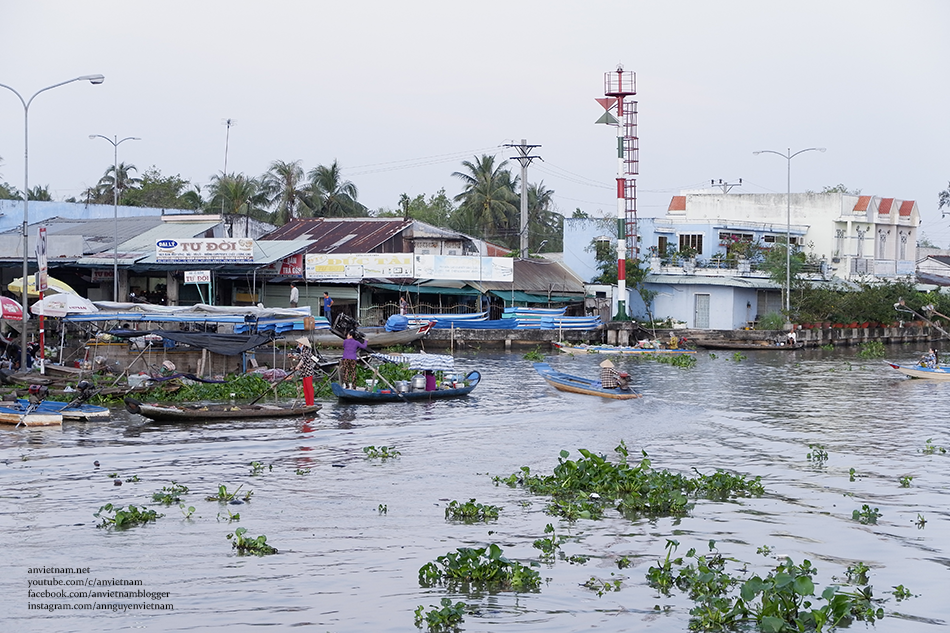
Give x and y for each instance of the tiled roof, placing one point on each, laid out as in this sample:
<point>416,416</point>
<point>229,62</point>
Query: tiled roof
<point>862,204</point>
<point>906,207</point>
<point>885,207</point>
<point>678,203</point>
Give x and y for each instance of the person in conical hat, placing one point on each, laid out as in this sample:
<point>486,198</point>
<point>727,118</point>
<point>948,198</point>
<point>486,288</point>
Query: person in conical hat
<point>306,366</point>
<point>608,375</point>
<point>303,340</point>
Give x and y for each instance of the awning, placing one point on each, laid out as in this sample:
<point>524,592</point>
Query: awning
<point>422,289</point>
<point>518,296</point>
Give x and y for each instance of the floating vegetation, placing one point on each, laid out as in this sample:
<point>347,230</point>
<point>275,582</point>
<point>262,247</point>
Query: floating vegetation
<point>120,519</point>
<point>738,356</point>
<point>534,355</point>
<point>684,361</point>
<point>902,593</point>
<point>602,586</point>
<point>257,468</point>
<point>920,522</point>
<point>480,568</point>
<point>169,494</point>
<point>857,574</point>
<point>586,487</point>
<point>383,452</point>
<point>712,356</point>
<point>470,511</point>
<point>447,618</point>
<point>623,562</point>
<point>225,496</point>
<point>866,515</point>
<point>905,481</point>
<point>302,471</point>
<point>930,448</point>
<point>828,348</point>
<point>133,479</point>
<point>383,509</point>
<point>186,511</point>
<point>549,544</point>
<point>817,453</point>
<point>236,516</point>
<point>784,600</point>
<point>872,349</point>
<point>247,545</point>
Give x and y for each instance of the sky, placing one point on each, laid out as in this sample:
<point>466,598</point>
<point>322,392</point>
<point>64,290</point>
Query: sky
<point>400,93</point>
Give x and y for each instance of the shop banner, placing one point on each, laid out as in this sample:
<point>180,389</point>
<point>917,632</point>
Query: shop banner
<point>205,251</point>
<point>358,266</point>
<point>464,268</point>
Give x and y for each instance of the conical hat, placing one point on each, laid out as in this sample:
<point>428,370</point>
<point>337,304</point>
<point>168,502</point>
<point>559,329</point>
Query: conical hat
<point>606,363</point>
<point>303,340</point>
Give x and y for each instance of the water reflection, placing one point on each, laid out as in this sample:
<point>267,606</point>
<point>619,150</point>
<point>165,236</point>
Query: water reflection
<point>345,564</point>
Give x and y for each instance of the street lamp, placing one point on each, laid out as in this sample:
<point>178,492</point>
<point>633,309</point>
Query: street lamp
<point>115,204</point>
<point>788,156</point>
<point>93,79</point>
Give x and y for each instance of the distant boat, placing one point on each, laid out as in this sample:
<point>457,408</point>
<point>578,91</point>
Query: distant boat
<point>739,345</point>
<point>567,348</point>
<point>922,371</point>
<point>199,412</point>
<point>576,384</point>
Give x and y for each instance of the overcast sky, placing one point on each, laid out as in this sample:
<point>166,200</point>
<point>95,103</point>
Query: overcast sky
<point>401,92</point>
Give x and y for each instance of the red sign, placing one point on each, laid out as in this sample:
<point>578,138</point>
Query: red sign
<point>292,266</point>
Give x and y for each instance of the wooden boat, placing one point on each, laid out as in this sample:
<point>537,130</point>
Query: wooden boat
<point>389,395</point>
<point>576,384</point>
<point>742,345</point>
<point>567,348</point>
<point>922,371</point>
<point>82,412</point>
<point>18,417</point>
<point>197,412</point>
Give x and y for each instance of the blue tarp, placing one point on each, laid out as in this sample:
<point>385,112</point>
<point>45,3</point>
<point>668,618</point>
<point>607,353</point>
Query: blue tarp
<point>397,323</point>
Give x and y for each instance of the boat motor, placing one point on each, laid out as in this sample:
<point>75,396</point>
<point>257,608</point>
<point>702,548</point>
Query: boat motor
<point>37,394</point>
<point>623,381</point>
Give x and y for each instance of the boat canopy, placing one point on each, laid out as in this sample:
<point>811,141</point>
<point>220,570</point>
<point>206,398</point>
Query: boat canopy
<point>421,362</point>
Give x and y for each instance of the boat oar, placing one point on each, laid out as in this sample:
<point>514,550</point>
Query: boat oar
<point>272,387</point>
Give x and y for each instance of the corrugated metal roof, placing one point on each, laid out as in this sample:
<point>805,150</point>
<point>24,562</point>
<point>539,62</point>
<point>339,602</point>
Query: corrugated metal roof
<point>342,235</point>
<point>537,276</point>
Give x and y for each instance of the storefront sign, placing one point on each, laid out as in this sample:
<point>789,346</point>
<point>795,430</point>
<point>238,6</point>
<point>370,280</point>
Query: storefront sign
<point>197,276</point>
<point>205,251</point>
<point>292,266</point>
<point>329,266</point>
<point>463,268</point>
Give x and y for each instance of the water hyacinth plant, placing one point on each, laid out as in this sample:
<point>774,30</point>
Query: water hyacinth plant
<point>479,568</point>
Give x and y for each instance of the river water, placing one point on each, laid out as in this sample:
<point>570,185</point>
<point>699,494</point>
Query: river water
<point>352,532</point>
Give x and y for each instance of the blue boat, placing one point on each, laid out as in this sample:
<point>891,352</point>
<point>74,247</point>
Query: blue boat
<point>576,384</point>
<point>79,412</point>
<point>391,395</point>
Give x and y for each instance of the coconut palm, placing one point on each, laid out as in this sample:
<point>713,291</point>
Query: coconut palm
<point>544,224</point>
<point>236,194</point>
<point>40,193</point>
<point>488,203</point>
<point>116,177</point>
<point>284,188</point>
<point>330,195</point>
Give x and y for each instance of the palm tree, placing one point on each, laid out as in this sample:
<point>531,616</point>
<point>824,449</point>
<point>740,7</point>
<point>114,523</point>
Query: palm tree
<point>237,195</point>
<point>282,185</point>
<point>116,177</point>
<point>544,224</point>
<point>943,198</point>
<point>192,198</point>
<point>488,202</point>
<point>330,195</point>
<point>39,193</point>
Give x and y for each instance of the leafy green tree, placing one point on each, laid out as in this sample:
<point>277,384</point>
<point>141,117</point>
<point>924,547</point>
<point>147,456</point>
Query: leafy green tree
<point>7,192</point>
<point>544,224</point>
<point>116,177</point>
<point>580,215</point>
<point>236,194</point>
<point>436,210</point>
<point>330,195</point>
<point>285,189</point>
<point>840,188</point>
<point>488,204</point>
<point>156,191</point>
<point>40,193</point>
<point>943,198</point>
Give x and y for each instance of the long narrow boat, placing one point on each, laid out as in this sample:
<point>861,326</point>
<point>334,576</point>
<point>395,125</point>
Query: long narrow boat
<point>198,412</point>
<point>388,395</point>
<point>81,412</point>
<point>19,417</point>
<point>742,345</point>
<point>567,348</point>
<point>921,371</point>
<point>576,384</point>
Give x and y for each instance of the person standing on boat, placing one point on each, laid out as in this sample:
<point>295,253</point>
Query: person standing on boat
<point>351,348</point>
<point>403,305</point>
<point>327,302</point>
<point>608,375</point>
<point>294,295</point>
<point>306,366</point>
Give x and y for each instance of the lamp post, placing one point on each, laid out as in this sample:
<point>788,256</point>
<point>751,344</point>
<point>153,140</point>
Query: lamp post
<point>93,79</point>
<point>788,156</point>
<point>115,204</point>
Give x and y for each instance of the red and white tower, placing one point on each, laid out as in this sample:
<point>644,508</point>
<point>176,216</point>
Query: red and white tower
<point>618,86</point>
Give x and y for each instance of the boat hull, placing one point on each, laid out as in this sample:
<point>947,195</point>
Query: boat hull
<point>82,412</point>
<point>616,349</point>
<point>372,397</point>
<point>576,384</point>
<point>917,371</point>
<point>197,413</point>
<point>763,345</point>
<point>37,418</point>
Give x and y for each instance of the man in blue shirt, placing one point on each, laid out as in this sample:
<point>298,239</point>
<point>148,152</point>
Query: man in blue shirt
<point>327,302</point>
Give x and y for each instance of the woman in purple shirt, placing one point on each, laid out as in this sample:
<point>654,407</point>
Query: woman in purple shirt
<point>348,361</point>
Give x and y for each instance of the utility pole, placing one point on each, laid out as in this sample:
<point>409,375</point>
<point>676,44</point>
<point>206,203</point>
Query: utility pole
<point>525,159</point>
<point>725,186</point>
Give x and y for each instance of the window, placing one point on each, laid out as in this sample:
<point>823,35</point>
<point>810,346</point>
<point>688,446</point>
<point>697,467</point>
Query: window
<point>839,242</point>
<point>662,243</point>
<point>772,239</point>
<point>692,241</point>
<point>903,250</point>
